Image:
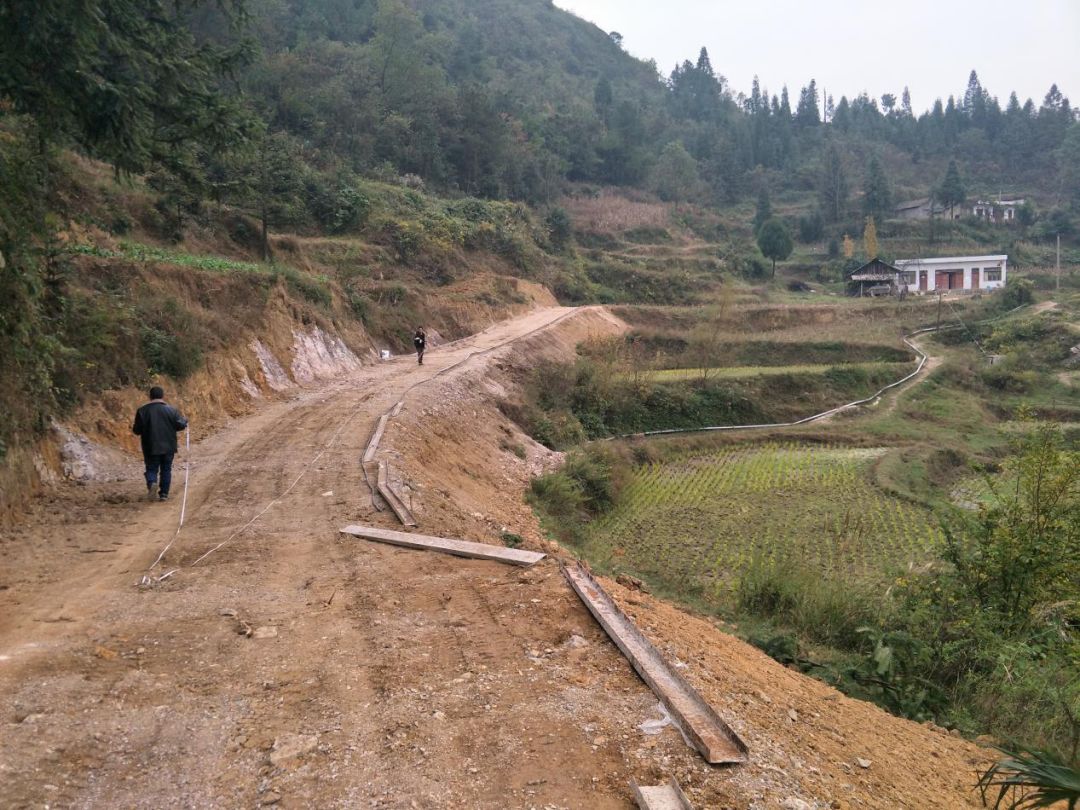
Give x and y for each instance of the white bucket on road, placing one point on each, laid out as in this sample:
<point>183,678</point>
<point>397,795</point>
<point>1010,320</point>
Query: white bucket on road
<point>384,354</point>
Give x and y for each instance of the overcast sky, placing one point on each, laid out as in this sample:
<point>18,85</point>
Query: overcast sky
<point>854,45</point>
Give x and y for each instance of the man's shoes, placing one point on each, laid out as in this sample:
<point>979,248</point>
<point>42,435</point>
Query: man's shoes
<point>163,496</point>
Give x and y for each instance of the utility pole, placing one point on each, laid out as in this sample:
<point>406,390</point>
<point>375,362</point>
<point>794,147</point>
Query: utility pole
<point>1057,265</point>
<point>938,327</point>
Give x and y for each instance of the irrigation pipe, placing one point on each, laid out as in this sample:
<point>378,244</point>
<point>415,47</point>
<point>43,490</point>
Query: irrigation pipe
<point>923,359</point>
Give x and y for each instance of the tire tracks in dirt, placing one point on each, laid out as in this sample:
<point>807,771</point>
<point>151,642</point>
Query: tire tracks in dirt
<point>160,682</point>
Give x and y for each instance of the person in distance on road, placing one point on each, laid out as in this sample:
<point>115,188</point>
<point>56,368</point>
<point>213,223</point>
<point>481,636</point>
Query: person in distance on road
<point>419,341</point>
<point>156,424</point>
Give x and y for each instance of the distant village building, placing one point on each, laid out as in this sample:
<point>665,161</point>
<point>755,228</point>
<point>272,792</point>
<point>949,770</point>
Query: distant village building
<point>959,273</point>
<point>874,277</point>
<point>945,274</point>
<point>922,208</point>
<point>999,210</point>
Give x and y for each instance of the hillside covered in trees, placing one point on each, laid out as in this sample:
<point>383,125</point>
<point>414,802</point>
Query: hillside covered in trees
<point>493,98</point>
<point>286,115</point>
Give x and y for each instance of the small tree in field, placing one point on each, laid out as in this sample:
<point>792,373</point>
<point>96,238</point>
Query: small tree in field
<point>775,242</point>
<point>849,247</point>
<point>707,337</point>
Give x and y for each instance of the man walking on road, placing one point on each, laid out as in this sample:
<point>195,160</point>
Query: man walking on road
<point>156,423</point>
<point>419,341</point>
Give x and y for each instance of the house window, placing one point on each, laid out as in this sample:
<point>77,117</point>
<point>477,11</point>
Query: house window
<point>993,274</point>
<point>907,277</point>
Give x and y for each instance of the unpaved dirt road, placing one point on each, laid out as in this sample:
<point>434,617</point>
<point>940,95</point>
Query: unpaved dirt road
<point>406,680</point>
<point>376,676</point>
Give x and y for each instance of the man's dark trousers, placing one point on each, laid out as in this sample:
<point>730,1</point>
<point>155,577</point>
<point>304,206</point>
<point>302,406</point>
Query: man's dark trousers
<point>162,462</point>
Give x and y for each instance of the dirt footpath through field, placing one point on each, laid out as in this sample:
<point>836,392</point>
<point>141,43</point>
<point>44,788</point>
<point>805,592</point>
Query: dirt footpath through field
<point>298,668</point>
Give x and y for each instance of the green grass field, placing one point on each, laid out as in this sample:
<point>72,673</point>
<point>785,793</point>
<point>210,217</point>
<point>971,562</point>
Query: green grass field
<point>744,372</point>
<point>695,524</point>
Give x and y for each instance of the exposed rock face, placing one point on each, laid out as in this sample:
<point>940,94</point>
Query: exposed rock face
<point>246,385</point>
<point>319,356</point>
<point>275,375</point>
<point>84,460</point>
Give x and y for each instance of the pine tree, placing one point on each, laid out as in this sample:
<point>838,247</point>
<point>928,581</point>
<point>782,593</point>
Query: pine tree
<point>704,64</point>
<point>877,195</point>
<point>951,192</point>
<point>833,188</point>
<point>125,79</point>
<point>807,113</point>
<point>975,103</point>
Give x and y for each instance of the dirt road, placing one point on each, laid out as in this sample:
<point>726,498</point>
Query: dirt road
<point>375,676</point>
<point>404,680</point>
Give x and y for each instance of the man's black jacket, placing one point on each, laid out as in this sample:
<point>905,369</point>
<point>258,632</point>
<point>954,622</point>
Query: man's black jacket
<point>156,423</point>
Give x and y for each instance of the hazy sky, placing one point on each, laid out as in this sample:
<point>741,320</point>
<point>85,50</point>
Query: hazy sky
<point>854,45</point>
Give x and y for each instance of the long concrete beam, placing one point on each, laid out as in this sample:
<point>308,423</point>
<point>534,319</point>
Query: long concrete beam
<point>396,504</point>
<point>712,737</point>
<point>661,797</point>
<point>376,437</point>
<point>459,548</point>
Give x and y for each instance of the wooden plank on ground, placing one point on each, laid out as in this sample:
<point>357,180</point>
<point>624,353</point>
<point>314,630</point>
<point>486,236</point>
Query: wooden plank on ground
<point>376,437</point>
<point>397,408</point>
<point>460,548</point>
<point>661,797</point>
<point>393,501</point>
<point>716,741</point>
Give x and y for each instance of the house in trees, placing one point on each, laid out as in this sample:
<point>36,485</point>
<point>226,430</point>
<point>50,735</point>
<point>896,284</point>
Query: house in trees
<point>959,273</point>
<point>999,210</point>
<point>922,208</point>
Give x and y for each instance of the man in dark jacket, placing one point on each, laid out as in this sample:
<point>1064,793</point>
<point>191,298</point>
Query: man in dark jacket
<point>156,423</point>
<point>420,343</point>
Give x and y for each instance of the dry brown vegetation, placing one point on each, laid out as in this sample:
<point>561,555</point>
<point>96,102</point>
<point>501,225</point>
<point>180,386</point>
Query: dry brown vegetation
<point>613,211</point>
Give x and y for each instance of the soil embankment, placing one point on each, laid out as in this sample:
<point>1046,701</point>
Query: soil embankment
<point>377,676</point>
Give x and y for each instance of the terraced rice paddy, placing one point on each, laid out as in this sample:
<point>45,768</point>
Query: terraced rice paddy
<point>696,523</point>
<point>743,372</point>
